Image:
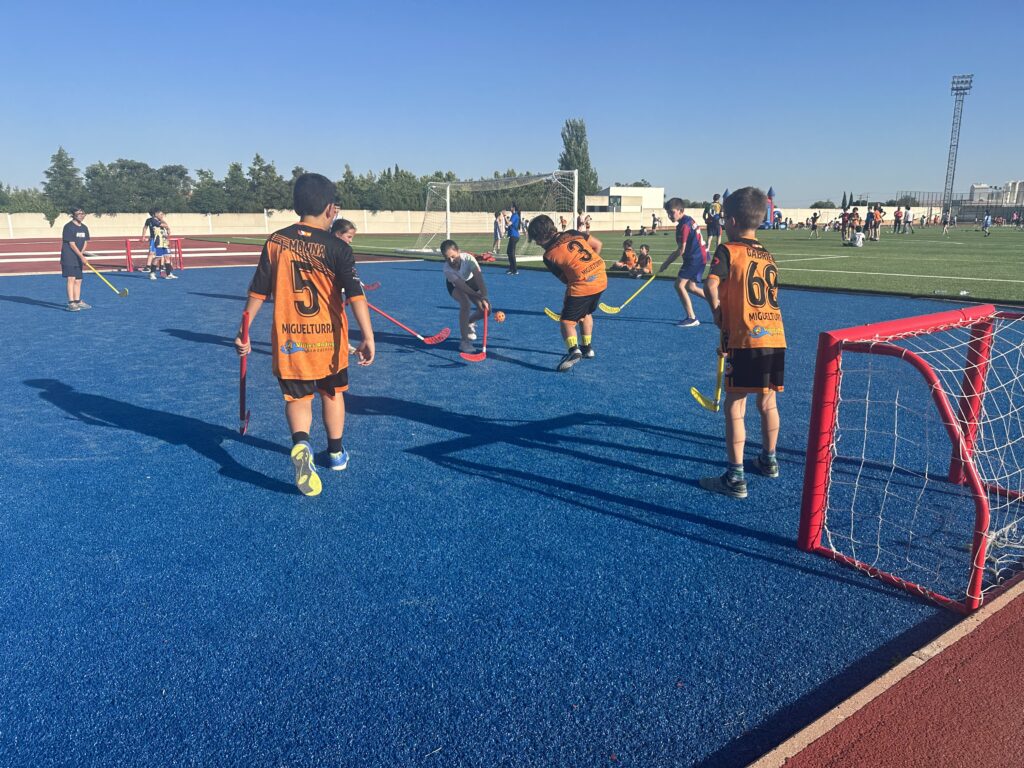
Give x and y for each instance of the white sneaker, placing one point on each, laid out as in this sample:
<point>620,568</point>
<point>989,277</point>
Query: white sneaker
<point>171,277</point>
<point>152,275</point>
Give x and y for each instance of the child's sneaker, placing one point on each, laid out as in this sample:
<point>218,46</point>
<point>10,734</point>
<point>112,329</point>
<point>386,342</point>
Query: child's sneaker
<point>767,466</point>
<point>152,275</point>
<point>734,489</point>
<point>73,307</point>
<point>338,461</point>
<point>171,277</point>
<point>572,357</point>
<point>588,351</point>
<point>690,322</point>
<point>306,478</point>
<point>82,305</point>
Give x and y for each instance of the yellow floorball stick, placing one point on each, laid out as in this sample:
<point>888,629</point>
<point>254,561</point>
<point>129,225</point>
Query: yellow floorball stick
<point>122,293</point>
<point>706,402</point>
<point>615,310</point>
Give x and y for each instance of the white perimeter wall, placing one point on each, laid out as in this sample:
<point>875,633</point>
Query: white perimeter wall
<point>35,225</point>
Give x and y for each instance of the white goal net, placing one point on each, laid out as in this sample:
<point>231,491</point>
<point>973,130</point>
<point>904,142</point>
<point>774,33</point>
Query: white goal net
<point>916,472</point>
<point>464,210</point>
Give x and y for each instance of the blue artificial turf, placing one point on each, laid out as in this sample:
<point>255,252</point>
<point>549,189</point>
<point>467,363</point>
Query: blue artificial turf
<point>517,569</point>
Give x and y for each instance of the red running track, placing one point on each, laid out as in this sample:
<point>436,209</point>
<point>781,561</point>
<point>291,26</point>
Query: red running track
<point>37,256</point>
<point>959,702</point>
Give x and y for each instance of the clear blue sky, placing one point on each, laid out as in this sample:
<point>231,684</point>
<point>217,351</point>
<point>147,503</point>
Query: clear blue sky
<point>810,99</point>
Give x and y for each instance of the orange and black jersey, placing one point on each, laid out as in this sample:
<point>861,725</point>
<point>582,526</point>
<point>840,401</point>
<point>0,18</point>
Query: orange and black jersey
<point>628,259</point>
<point>569,258</point>
<point>305,270</point>
<point>749,295</point>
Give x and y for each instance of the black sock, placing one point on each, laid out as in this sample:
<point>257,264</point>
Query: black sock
<point>167,268</point>
<point>334,445</point>
<point>300,437</point>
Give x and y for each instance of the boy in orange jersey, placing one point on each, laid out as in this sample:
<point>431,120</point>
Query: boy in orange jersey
<point>305,270</point>
<point>628,261</point>
<point>644,262</point>
<point>743,291</point>
<point>574,258</point>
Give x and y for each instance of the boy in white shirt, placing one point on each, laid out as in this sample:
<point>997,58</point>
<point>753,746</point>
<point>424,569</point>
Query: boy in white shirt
<point>856,240</point>
<point>465,283</point>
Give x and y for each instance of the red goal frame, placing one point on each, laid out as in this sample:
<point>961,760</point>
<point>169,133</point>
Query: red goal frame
<point>960,424</point>
<point>174,244</point>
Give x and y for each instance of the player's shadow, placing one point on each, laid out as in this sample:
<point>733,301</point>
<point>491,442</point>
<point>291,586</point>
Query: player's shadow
<point>228,296</point>
<point>217,341</point>
<point>33,302</point>
<point>627,462</point>
<point>205,439</point>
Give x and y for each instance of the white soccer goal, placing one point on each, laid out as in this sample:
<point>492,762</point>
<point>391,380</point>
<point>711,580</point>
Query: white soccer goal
<point>915,460</point>
<point>464,210</point>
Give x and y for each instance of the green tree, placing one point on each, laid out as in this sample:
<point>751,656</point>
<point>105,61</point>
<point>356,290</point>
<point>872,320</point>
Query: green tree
<point>63,185</point>
<point>576,155</point>
<point>237,191</point>
<point>823,204</point>
<point>267,188</point>
<point>208,195</point>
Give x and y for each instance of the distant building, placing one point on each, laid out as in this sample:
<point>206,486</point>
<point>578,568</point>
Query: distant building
<point>627,199</point>
<point>1011,193</point>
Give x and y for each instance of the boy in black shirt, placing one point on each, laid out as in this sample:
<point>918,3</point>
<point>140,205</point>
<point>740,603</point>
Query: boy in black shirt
<point>72,249</point>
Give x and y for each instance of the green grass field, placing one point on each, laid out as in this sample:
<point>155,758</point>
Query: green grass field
<point>922,264</point>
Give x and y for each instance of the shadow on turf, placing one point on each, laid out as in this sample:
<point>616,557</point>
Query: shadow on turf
<point>544,434</point>
<point>203,438</point>
<point>217,341</point>
<point>228,296</point>
<point>33,302</point>
<point>809,707</point>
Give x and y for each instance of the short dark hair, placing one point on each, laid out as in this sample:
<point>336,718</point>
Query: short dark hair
<point>342,226</point>
<point>313,192</point>
<point>447,245</point>
<point>542,230</point>
<point>75,209</point>
<point>715,197</point>
<point>674,204</point>
<point>746,205</point>
<point>155,211</point>
<point>627,244</point>
<point>644,245</point>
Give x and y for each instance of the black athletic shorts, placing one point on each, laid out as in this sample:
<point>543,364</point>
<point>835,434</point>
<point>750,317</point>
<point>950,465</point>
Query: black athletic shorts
<point>300,389</point>
<point>70,266</point>
<point>755,370</point>
<point>714,228</point>
<point>578,307</point>
<point>472,283</point>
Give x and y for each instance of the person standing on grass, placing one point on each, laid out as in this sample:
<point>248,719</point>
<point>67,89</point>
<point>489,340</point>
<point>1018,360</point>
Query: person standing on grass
<point>986,224</point>
<point>465,283</point>
<point>499,226</point>
<point>73,238</point>
<point>814,226</point>
<point>513,240</point>
<point>691,248</point>
<point>743,292</point>
<point>713,221</point>
<point>908,221</point>
<point>897,221</point>
<point>574,258</point>
<point>305,270</point>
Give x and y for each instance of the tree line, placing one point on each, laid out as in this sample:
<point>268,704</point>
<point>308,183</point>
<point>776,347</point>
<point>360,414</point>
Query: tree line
<point>132,186</point>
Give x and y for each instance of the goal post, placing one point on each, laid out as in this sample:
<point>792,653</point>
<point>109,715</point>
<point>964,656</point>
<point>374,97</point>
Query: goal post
<point>915,453</point>
<point>464,210</point>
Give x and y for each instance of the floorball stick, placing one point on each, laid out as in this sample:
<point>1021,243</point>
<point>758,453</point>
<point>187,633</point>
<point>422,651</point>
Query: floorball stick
<point>437,338</point>
<point>243,413</point>
<point>122,293</point>
<point>705,402</point>
<point>615,310</point>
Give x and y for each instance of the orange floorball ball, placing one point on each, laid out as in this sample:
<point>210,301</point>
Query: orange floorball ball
<point>499,316</point>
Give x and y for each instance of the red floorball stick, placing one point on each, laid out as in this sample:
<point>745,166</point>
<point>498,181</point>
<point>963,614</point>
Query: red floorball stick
<point>371,286</point>
<point>477,357</point>
<point>243,414</point>
<point>437,338</point>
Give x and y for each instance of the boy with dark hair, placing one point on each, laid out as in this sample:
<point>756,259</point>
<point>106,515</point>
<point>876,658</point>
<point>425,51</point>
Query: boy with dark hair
<point>465,283</point>
<point>713,221</point>
<point>305,269</point>
<point>574,258</point>
<point>628,261</point>
<point>695,256</point>
<point>159,234</point>
<point>743,291</point>
<point>73,238</point>
<point>644,262</point>
<point>514,225</point>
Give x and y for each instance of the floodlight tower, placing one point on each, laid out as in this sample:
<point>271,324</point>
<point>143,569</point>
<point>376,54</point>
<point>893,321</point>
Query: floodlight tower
<point>961,87</point>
